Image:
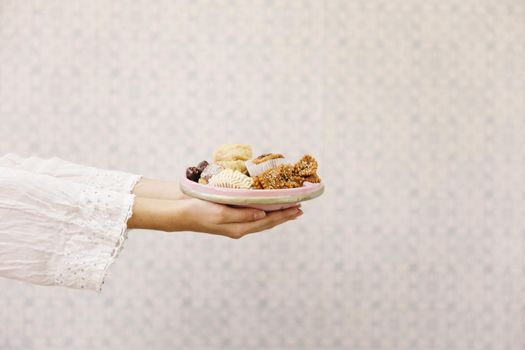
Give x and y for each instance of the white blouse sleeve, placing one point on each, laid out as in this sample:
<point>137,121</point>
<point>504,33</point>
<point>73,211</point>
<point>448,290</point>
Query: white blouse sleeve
<point>100,178</point>
<point>57,232</point>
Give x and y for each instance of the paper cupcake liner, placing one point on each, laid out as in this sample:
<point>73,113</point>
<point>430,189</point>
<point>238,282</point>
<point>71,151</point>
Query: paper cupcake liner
<point>256,169</point>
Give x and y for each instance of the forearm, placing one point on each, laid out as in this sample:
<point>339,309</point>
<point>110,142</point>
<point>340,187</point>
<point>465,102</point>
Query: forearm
<point>157,214</point>
<point>149,188</point>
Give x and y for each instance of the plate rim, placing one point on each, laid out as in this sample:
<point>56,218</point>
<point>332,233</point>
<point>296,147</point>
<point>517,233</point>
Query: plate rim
<point>235,200</point>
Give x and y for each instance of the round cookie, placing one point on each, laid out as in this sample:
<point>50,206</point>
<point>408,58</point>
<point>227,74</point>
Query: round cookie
<point>238,165</point>
<point>232,152</point>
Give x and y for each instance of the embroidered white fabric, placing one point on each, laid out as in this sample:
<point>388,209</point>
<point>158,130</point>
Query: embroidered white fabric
<point>110,180</point>
<point>61,223</point>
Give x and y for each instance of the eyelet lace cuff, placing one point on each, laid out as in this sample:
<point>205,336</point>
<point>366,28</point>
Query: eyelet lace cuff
<point>90,252</point>
<point>58,232</point>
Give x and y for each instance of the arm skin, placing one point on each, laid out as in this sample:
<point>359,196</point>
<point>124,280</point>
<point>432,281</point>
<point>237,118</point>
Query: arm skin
<point>158,189</point>
<point>160,205</point>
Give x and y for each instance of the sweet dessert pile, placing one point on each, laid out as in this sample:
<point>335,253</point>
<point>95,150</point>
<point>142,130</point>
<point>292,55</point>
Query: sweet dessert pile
<point>233,167</point>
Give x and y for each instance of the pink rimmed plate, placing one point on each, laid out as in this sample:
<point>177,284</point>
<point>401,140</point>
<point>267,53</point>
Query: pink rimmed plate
<point>267,200</point>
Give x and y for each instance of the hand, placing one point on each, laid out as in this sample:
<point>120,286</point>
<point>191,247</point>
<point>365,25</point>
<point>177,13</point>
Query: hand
<point>203,216</point>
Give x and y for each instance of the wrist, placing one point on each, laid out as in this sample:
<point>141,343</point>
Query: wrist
<point>156,214</point>
<point>167,190</point>
<point>175,216</point>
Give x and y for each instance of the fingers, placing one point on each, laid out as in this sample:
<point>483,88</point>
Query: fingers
<point>272,219</point>
<point>203,216</point>
<point>239,215</point>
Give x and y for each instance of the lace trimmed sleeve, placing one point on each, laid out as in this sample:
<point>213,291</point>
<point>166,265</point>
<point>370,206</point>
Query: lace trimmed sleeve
<point>57,232</point>
<point>100,178</point>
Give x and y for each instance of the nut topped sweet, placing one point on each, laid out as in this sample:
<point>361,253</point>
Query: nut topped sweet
<point>306,166</point>
<point>288,175</point>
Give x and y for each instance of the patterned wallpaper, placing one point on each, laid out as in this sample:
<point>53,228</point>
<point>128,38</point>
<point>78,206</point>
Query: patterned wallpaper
<point>415,110</point>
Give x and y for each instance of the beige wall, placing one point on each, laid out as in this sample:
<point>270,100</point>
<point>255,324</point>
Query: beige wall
<point>414,109</point>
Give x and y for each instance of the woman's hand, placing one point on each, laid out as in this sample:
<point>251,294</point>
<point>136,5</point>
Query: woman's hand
<point>235,223</point>
<point>197,215</point>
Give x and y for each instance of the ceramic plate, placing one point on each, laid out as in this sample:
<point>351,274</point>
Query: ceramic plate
<point>266,200</point>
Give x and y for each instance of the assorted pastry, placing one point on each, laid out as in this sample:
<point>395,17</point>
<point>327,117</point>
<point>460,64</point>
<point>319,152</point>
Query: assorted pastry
<point>234,167</point>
